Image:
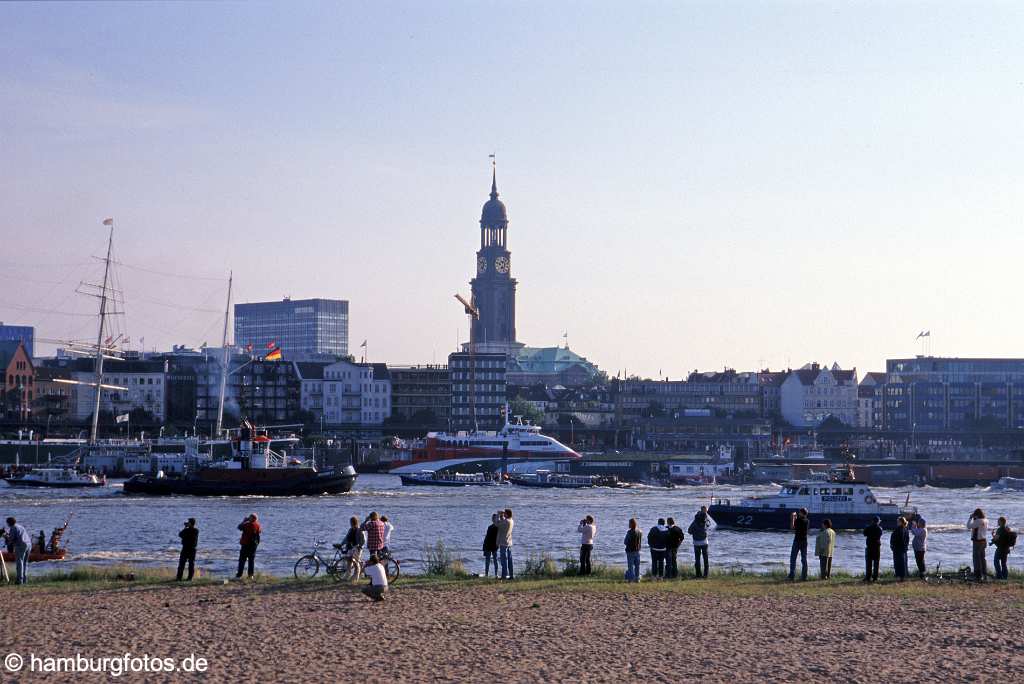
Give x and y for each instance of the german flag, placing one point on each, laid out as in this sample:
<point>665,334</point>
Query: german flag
<point>274,355</point>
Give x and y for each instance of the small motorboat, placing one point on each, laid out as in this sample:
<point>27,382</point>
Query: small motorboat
<point>435,479</point>
<point>1008,484</point>
<point>57,478</point>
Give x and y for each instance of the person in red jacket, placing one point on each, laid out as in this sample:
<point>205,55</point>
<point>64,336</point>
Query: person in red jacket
<point>250,528</point>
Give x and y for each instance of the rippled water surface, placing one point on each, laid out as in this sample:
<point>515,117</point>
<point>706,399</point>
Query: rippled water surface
<point>111,527</point>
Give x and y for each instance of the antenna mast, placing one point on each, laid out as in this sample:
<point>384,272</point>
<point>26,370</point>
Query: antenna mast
<point>99,335</point>
<point>226,359</point>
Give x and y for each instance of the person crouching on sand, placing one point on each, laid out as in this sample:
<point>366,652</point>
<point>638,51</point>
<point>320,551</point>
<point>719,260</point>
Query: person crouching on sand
<point>374,571</point>
<point>824,546</point>
<point>250,529</point>
<point>633,541</point>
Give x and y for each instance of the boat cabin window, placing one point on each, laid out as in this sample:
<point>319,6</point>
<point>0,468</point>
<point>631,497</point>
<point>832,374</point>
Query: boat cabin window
<point>803,490</point>
<point>849,490</point>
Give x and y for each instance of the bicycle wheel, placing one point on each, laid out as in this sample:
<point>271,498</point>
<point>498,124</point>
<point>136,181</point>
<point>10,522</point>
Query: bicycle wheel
<point>307,567</point>
<point>392,569</point>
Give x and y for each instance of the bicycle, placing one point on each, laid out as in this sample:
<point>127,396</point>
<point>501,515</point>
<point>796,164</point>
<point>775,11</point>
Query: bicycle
<point>341,568</point>
<point>965,575</point>
<point>392,568</point>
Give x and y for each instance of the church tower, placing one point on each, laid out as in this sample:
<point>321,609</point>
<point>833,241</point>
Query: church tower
<point>494,288</point>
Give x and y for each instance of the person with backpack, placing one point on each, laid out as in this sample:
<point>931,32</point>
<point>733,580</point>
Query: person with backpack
<point>872,550</point>
<point>978,525</point>
<point>899,543</point>
<point>633,541</point>
<point>800,524</point>
<point>675,540</point>
<point>824,547</point>
<point>1004,539</point>
<point>919,532</point>
<point>587,531</point>
<point>250,529</point>
<point>657,542</point>
<point>491,546</point>
<point>701,526</point>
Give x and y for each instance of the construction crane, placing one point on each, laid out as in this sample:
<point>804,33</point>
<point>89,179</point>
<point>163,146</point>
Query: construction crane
<point>474,315</point>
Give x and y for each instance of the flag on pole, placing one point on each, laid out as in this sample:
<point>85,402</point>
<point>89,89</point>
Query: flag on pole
<point>272,344</point>
<point>923,333</point>
<point>108,340</point>
<point>108,222</point>
<point>123,418</point>
<point>274,355</point>
<point>363,345</point>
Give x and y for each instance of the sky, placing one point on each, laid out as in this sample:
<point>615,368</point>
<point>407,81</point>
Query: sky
<point>689,185</point>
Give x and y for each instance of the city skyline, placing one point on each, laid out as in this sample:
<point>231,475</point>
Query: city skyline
<point>742,187</point>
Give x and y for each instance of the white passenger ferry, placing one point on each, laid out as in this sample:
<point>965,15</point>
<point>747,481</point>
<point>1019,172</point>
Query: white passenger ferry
<point>836,495</point>
<point>58,478</point>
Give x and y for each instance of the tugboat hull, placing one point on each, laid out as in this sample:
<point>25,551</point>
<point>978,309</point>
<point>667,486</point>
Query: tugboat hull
<point>299,485</point>
<point>751,518</point>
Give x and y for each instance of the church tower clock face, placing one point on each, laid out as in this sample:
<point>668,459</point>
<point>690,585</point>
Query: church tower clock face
<point>501,264</point>
<point>481,264</point>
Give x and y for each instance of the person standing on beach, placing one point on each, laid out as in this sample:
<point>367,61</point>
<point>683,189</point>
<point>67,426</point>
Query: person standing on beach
<point>20,541</point>
<point>250,529</point>
<point>1003,539</point>
<point>505,525</point>
<point>919,542</point>
<point>388,529</point>
<point>657,541</point>
<point>633,541</point>
<point>899,542</point>
<point>872,550</point>
<point>699,529</point>
<point>587,530</point>
<point>189,536</point>
<point>978,525</point>
<point>375,531</point>
<point>799,523</point>
<point>675,540</point>
<point>824,546</point>
<point>491,546</point>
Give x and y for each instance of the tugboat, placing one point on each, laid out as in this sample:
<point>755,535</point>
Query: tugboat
<point>435,479</point>
<point>57,478</point>
<point>836,495</point>
<point>253,470</point>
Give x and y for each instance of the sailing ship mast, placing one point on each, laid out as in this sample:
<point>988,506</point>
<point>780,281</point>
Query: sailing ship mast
<point>224,361</point>
<point>99,336</point>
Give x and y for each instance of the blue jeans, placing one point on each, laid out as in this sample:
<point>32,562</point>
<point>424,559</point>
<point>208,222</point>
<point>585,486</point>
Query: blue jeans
<point>799,547</point>
<point>698,553</point>
<point>490,557</point>
<point>632,566</point>
<point>1002,572</point>
<point>505,553</point>
<point>21,563</point>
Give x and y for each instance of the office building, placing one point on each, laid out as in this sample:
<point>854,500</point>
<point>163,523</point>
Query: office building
<point>421,396</point>
<point>478,390</point>
<point>26,334</point>
<point>302,328</point>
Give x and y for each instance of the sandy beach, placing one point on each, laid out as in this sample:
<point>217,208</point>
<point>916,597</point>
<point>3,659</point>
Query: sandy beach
<point>552,631</point>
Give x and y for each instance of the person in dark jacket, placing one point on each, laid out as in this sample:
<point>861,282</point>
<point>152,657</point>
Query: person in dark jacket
<point>633,541</point>
<point>657,541</point>
<point>899,542</point>
<point>189,536</point>
<point>491,546</point>
<point>250,539</point>
<point>872,550</point>
<point>675,540</point>
<point>699,529</point>
<point>1003,539</point>
<point>800,524</point>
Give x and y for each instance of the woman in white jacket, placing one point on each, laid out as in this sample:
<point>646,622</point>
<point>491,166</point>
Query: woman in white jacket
<point>587,531</point>
<point>978,525</point>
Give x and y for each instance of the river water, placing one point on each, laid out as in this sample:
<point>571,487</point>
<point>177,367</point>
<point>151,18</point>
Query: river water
<point>109,527</point>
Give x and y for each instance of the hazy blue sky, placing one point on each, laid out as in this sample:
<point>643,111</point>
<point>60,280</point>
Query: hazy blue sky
<point>689,185</point>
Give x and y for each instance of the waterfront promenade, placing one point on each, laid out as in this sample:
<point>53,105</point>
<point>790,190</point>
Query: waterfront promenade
<point>735,629</point>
